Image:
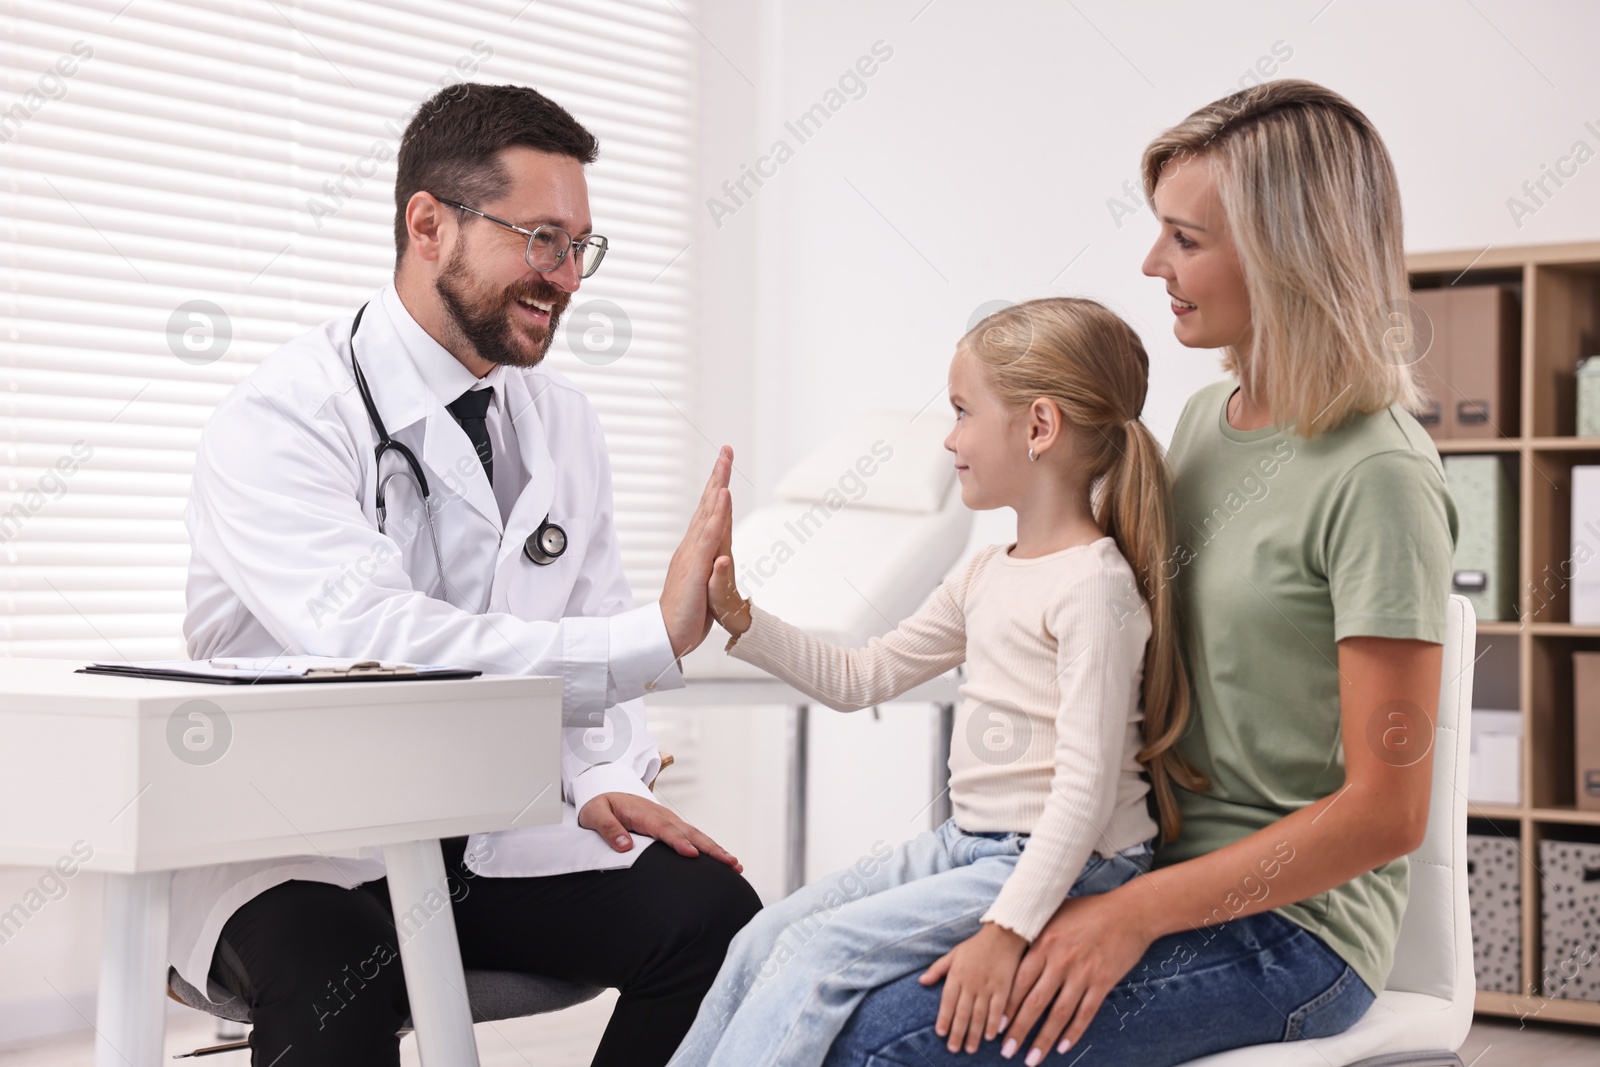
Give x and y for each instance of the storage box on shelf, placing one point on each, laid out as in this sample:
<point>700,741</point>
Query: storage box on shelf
<point>1529,372</point>
<point>1569,919</point>
<point>1583,545</point>
<point>1494,889</point>
<point>1494,767</point>
<point>1472,336</point>
<point>1589,396</point>
<point>1586,730</point>
<point>1484,490</point>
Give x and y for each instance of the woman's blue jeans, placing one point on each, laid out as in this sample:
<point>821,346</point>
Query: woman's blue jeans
<point>1249,981</point>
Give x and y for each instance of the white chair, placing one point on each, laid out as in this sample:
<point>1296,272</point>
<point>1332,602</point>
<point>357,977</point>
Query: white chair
<point>1425,1009</point>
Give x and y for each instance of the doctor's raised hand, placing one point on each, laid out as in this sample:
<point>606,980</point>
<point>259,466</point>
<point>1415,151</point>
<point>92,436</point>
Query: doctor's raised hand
<point>688,617</point>
<point>684,607</point>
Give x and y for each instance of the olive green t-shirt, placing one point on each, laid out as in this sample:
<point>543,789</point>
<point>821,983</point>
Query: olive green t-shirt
<point>1284,547</point>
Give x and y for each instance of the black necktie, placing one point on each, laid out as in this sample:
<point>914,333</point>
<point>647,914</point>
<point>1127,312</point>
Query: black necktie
<point>469,410</point>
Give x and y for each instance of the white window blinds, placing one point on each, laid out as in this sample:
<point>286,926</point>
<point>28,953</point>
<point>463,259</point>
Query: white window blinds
<point>189,184</point>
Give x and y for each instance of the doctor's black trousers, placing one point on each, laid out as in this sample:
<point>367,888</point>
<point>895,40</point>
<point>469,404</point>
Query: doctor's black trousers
<point>320,967</point>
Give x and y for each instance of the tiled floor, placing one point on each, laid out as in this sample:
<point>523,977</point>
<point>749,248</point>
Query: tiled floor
<point>567,1039</point>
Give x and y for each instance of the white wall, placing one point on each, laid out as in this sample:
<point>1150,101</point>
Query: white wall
<point>982,159</point>
<point>48,967</point>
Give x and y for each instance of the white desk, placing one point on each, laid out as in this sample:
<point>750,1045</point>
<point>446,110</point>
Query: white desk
<point>943,691</point>
<point>266,771</point>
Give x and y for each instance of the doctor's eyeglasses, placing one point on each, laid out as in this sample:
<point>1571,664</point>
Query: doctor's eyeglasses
<point>548,245</point>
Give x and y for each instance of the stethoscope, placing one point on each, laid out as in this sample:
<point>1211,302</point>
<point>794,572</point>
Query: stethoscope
<point>544,546</point>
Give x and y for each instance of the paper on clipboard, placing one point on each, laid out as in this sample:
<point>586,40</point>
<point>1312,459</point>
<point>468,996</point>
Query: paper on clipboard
<point>267,669</point>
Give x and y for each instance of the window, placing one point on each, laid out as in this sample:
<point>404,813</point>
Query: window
<point>188,185</point>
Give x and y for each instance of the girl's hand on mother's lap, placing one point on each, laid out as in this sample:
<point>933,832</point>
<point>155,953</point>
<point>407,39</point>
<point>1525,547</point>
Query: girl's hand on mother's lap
<point>1083,951</point>
<point>977,975</point>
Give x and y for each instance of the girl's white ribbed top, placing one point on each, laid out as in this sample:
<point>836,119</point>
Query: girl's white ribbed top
<point>1049,725</point>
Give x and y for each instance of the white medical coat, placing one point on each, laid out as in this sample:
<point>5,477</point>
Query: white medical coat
<point>286,558</point>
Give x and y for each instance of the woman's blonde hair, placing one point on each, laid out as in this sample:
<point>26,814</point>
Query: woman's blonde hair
<point>1079,355</point>
<point>1312,201</point>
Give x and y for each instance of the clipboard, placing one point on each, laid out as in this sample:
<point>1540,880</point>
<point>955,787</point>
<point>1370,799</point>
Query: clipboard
<point>279,670</point>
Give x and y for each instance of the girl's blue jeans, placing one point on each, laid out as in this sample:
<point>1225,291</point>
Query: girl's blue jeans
<point>795,974</point>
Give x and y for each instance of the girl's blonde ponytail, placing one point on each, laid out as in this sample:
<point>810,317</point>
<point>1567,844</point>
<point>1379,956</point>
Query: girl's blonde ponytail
<point>1136,509</point>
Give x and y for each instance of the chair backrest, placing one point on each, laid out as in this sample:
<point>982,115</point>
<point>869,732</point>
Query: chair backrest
<point>1434,951</point>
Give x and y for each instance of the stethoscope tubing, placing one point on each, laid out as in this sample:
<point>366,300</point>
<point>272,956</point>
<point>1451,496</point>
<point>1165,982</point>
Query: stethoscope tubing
<point>534,548</point>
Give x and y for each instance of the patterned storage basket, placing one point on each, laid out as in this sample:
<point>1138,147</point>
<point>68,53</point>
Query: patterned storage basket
<point>1494,890</point>
<point>1570,919</point>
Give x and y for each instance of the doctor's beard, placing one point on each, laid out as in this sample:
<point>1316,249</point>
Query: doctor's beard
<point>483,319</point>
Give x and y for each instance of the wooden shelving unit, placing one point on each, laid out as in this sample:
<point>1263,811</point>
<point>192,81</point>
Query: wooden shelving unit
<point>1560,295</point>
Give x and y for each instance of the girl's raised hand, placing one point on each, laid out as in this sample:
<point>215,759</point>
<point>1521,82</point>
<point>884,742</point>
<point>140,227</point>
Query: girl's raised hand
<point>722,591</point>
<point>977,978</point>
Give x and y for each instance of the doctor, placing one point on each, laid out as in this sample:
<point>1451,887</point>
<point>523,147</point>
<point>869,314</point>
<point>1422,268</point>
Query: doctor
<point>496,550</point>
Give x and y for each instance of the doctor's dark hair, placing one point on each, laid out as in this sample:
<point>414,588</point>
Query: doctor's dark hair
<point>1086,360</point>
<point>450,145</point>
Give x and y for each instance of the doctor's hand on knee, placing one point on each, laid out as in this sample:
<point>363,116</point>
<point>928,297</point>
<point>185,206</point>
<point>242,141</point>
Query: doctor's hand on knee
<point>684,607</point>
<point>614,815</point>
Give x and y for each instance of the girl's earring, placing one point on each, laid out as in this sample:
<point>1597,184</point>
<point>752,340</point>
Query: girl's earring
<point>1031,456</point>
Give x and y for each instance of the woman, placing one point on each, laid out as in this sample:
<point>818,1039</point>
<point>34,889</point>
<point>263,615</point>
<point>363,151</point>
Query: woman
<point>1313,570</point>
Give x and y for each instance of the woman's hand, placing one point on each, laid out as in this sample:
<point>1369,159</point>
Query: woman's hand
<point>1085,949</point>
<point>722,592</point>
<point>977,976</point>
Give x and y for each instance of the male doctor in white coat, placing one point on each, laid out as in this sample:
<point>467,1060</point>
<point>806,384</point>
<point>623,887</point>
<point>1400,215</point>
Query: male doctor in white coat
<point>288,559</point>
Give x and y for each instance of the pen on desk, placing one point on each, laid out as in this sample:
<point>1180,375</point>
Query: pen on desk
<point>212,1050</point>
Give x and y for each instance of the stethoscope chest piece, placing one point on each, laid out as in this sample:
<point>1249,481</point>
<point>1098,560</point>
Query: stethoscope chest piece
<point>546,544</point>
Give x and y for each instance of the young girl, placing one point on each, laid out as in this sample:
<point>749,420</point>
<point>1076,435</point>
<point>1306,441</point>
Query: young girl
<point>1054,752</point>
